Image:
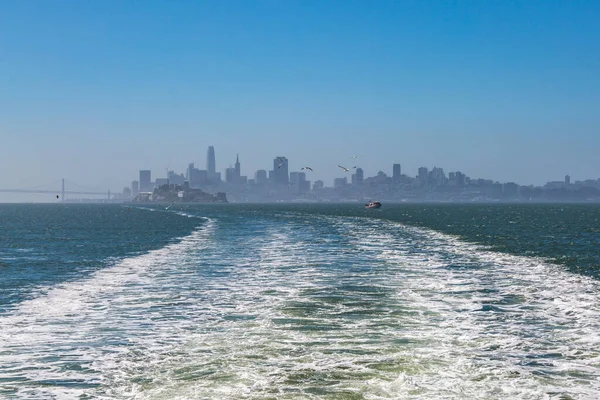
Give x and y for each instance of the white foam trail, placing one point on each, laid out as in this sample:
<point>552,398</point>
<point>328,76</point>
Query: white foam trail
<point>83,321</point>
<point>506,326</point>
<point>297,306</point>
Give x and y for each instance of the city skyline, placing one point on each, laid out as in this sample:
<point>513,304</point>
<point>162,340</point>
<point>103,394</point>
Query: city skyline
<point>334,171</point>
<point>281,184</point>
<point>144,179</point>
<point>93,92</point>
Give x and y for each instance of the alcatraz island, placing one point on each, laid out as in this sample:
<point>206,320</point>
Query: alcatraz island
<point>179,193</point>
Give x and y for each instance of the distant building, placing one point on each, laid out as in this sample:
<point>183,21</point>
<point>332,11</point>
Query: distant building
<point>175,179</point>
<point>461,179</point>
<point>188,171</point>
<point>230,175</point>
<point>161,181</point>
<point>396,173</point>
<point>437,176</point>
<point>381,177</point>
<point>360,176</point>
<point>233,174</point>
<point>496,190</point>
<point>510,190</point>
<point>423,175</point>
<point>318,185</point>
<point>567,180</point>
<point>456,178</point>
<point>135,188</point>
<point>238,171</point>
<point>299,182</point>
<point>126,193</point>
<point>145,181</point>
<point>280,171</point>
<point>210,160</point>
<point>211,170</point>
<point>340,182</point>
<point>196,177</point>
<point>296,177</point>
<point>554,185</point>
<point>357,178</point>
<point>260,177</point>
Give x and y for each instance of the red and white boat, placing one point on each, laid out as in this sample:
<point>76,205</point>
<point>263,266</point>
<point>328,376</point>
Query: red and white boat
<point>373,204</point>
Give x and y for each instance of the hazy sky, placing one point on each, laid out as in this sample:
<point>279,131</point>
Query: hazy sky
<point>93,91</point>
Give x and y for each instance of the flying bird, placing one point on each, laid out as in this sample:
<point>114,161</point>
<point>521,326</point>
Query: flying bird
<point>354,156</point>
<point>280,159</point>
<point>280,165</point>
<point>308,168</point>
<point>344,168</point>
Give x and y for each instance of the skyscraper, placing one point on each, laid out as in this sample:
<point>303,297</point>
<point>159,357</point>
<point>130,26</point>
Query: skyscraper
<point>145,181</point>
<point>359,176</point>
<point>188,172</point>
<point>280,171</point>
<point>299,182</point>
<point>340,182</point>
<point>135,188</point>
<point>230,175</point>
<point>438,176</point>
<point>237,169</point>
<point>260,177</point>
<point>210,160</point>
<point>423,175</point>
<point>396,173</point>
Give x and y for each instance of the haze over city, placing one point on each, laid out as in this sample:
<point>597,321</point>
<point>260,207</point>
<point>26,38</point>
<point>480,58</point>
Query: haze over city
<point>94,92</point>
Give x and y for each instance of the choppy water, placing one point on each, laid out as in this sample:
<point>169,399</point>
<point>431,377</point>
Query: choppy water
<point>297,302</point>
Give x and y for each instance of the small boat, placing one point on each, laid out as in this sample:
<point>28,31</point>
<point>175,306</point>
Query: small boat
<point>373,204</point>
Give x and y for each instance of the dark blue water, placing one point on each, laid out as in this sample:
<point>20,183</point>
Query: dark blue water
<point>568,234</point>
<point>299,301</point>
<point>49,244</point>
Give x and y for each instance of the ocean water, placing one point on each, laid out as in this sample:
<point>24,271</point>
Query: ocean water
<point>299,302</point>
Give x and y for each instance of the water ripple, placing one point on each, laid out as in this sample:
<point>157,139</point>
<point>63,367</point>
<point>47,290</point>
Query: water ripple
<point>294,307</point>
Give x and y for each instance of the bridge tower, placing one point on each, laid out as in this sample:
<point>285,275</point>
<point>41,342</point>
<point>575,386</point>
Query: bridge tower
<point>63,190</point>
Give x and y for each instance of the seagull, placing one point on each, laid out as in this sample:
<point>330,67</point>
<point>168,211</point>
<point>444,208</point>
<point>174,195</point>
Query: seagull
<point>280,159</point>
<point>280,165</point>
<point>344,168</point>
<point>354,167</point>
<point>354,156</point>
<point>308,168</point>
<point>169,205</point>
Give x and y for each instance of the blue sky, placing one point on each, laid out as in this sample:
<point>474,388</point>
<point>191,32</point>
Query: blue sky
<point>94,91</point>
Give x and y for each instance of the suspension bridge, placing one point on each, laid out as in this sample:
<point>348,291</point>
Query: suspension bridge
<point>59,191</point>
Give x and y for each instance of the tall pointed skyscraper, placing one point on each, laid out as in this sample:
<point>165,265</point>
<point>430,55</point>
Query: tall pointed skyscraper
<point>238,171</point>
<point>210,161</point>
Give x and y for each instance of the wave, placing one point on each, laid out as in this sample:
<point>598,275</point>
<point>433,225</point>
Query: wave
<point>299,306</point>
<point>61,343</point>
<point>495,325</point>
